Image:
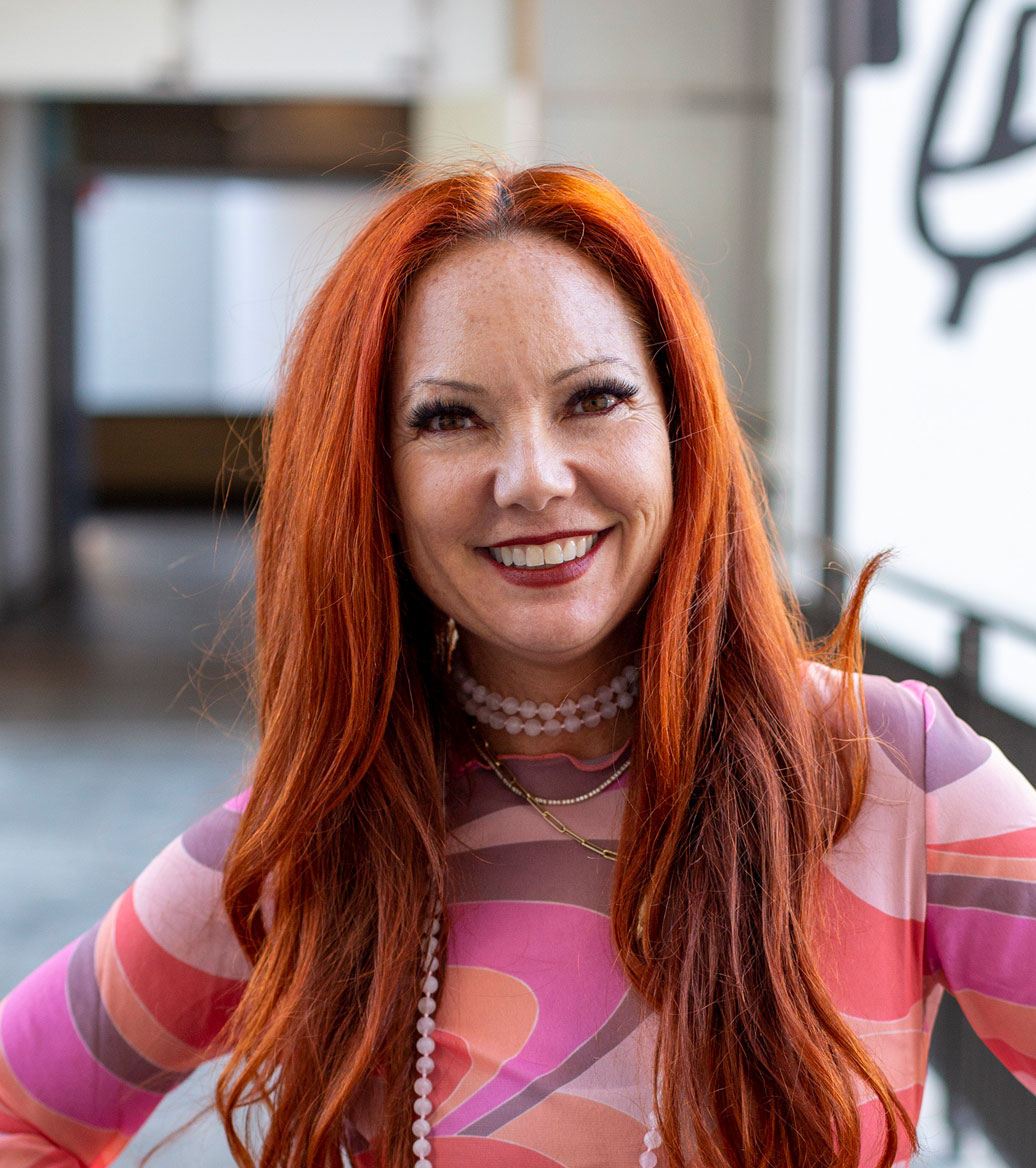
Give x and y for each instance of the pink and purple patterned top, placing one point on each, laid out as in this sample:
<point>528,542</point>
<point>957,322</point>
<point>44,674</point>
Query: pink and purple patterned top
<point>544,1053</point>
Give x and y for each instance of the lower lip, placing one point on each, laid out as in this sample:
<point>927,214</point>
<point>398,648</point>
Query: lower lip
<point>548,577</point>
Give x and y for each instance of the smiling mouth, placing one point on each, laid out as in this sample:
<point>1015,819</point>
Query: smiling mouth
<point>544,555</point>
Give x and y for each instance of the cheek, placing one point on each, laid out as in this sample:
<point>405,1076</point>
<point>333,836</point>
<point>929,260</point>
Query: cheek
<point>433,505</point>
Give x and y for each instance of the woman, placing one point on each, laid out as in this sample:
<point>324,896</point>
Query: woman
<point>522,654</point>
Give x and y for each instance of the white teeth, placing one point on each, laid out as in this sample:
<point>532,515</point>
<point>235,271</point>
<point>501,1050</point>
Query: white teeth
<point>545,555</point>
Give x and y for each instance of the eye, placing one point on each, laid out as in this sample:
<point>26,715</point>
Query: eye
<point>600,399</point>
<point>441,417</point>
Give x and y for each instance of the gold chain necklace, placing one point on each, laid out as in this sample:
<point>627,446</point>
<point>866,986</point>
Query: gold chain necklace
<point>510,781</point>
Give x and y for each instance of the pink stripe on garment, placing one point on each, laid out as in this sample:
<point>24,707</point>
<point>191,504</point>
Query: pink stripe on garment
<point>69,1081</point>
<point>967,936</point>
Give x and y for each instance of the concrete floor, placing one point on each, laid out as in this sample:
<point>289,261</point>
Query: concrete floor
<point>105,755</point>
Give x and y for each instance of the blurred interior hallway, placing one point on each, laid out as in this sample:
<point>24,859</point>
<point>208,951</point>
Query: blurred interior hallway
<point>104,756</point>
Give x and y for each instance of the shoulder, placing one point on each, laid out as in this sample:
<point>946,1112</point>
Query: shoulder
<point>911,727</point>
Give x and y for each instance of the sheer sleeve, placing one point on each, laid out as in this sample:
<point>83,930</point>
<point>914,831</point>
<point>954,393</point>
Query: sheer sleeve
<point>980,921</point>
<point>93,1039</point>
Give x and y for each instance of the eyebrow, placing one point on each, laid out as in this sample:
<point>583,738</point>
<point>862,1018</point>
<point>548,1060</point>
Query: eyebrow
<point>473,387</point>
<point>573,369</point>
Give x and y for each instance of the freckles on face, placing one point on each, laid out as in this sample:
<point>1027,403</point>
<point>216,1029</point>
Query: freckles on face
<point>529,447</point>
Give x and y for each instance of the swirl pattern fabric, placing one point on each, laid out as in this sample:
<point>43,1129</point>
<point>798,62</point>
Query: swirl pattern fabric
<point>545,1055</point>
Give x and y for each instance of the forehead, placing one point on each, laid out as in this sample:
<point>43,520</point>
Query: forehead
<point>525,298</point>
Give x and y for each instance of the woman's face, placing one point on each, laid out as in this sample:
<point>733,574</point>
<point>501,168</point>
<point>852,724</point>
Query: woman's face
<point>530,452</point>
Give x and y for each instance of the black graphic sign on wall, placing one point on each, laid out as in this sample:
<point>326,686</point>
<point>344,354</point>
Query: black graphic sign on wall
<point>1004,141</point>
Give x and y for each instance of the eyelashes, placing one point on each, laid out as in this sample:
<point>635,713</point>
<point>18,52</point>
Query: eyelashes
<point>620,390</point>
<point>442,415</point>
<point>423,416</point>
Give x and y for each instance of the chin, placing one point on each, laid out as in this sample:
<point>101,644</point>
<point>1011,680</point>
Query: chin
<point>553,641</point>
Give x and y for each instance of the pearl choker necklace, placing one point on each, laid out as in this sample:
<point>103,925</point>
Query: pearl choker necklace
<point>425,1064</point>
<point>518,717</point>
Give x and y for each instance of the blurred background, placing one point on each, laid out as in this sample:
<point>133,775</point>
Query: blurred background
<point>852,183</point>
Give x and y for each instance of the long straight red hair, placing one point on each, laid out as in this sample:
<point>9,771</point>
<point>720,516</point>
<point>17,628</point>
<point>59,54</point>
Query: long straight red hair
<point>739,785</point>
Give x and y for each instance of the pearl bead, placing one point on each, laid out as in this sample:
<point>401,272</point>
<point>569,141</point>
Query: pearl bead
<point>586,703</point>
<point>494,701</point>
<point>653,1139</point>
<point>420,1128</point>
<point>514,725</point>
<point>467,685</point>
<point>619,684</point>
<point>551,727</point>
<point>425,1045</point>
<point>479,693</point>
<point>423,1086</point>
<point>533,728</point>
<point>422,1147</point>
<point>546,711</point>
<point>526,709</point>
<point>423,1106</point>
<point>510,706</point>
<point>603,693</point>
<point>422,1163</point>
<point>471,707</point>
<point>425,1026</point>
<point>426,1005</point>
<point>624,700</point>
<point>572,724</point>
<point>425,1065</point>
<point>567,708</point>
<point>483,714</point>
<point>430,984</point>
<point>609,709</point>
<point>591,720</point>
<point>647,1160</point>
<point>498,721</point>
<point>630,673</point>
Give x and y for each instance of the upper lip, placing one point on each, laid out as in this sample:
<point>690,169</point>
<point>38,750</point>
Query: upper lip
<point>553,537</point>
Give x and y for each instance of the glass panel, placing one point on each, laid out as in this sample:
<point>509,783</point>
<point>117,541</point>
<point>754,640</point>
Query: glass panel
<point>186,288</point>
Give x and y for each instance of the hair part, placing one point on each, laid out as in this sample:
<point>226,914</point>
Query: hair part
<point>739,784</point>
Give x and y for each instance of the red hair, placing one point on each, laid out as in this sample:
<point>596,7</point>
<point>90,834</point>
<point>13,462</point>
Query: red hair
<point>739,785</point>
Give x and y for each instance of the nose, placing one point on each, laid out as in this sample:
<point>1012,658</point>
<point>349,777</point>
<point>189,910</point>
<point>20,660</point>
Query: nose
<point>531,471</point>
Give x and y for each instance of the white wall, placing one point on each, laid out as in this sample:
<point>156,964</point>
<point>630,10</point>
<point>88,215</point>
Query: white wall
<point>340,48</point>
<point>673,101</point>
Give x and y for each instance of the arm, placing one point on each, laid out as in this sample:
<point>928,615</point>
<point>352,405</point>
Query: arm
<point>92,1041</point>
<point>980,931</point>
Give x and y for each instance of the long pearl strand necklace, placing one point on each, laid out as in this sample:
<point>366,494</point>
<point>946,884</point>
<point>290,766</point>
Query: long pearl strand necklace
<point>425,1064</point>
<point>532,718</point>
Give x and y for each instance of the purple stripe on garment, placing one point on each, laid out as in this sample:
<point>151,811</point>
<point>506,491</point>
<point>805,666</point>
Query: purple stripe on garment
<point>1016,898</point>
<point>896,720</point>
<point>207,840</point>
<point>95,1027</point>
<point>954,749</point>
<point>983,951</point>
<point>68,1081</point>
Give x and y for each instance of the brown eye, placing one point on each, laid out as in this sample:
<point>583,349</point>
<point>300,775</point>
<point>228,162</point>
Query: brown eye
<point>595,403</point>
<point>451,422</point>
